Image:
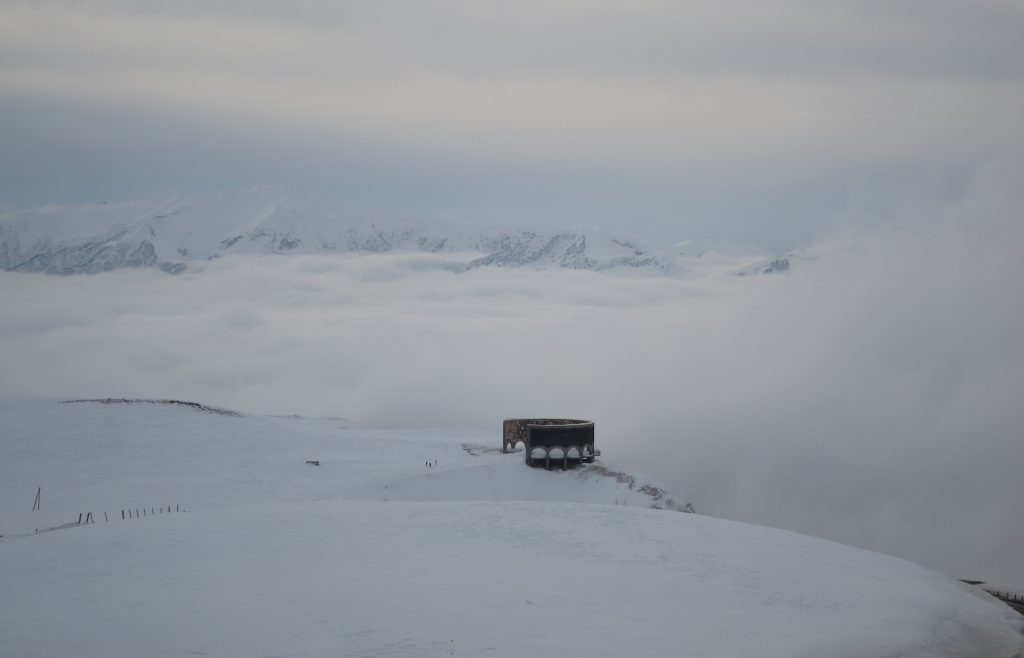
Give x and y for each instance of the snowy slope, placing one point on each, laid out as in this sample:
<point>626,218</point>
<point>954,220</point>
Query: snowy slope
<point>373,553</point>
<point>716,256</point>
<point>170,232</point>
<point>169,454</point>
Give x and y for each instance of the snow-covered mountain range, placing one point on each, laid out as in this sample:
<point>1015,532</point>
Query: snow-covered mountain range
<point>172,231</point>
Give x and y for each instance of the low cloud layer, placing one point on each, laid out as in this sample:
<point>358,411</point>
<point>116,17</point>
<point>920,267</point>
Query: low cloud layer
<point>871,395</point>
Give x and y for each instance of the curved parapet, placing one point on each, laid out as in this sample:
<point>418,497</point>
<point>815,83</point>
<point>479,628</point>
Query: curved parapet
<point>516,430</point>
<point>550,433</point>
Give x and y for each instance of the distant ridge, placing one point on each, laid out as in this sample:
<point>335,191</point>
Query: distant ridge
<point>169,233</point>
<point>190,405</point>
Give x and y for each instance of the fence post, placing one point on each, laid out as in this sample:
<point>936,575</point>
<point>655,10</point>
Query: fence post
<point>79,518</point>
<point>122,515</point>
<point>36,504</point>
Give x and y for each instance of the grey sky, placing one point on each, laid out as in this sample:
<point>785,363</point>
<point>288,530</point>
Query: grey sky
<point>745,121</point>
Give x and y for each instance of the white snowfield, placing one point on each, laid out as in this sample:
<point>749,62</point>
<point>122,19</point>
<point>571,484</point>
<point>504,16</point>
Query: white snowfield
<point>373,553</point>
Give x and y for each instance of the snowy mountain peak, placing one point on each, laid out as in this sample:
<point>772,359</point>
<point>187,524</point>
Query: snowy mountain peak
<point>169,232</point>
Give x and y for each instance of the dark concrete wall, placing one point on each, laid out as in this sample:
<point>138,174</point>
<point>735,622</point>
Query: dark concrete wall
<point>515,430</point>
<point>549,436</point>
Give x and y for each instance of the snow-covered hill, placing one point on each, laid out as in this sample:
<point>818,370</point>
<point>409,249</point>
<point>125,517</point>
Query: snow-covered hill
<point>375,553</point>
<point>202,458</point>
<point>170,232</point>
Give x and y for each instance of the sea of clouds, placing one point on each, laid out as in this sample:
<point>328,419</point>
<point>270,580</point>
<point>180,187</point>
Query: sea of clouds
<point>871,395</point>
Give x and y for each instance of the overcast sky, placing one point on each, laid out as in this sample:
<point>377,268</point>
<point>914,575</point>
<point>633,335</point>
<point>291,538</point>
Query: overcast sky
<point>753,121</point>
